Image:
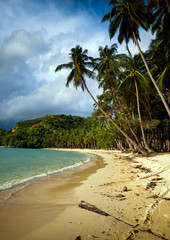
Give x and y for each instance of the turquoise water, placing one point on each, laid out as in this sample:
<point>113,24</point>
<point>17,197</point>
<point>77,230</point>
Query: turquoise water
<point>22,165</point>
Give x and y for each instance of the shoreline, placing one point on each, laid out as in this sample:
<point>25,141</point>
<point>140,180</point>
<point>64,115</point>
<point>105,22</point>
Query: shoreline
<point>66,172</point>
<point>133,190</point>
<point>28,179</point>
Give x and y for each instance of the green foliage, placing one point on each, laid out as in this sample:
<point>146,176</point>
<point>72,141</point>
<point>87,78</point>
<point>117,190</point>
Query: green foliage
<point>60,131</point>
<point>78,65</point>
<point>3,133</point>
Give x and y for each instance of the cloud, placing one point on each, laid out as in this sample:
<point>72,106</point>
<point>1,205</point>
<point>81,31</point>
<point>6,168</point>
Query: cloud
<point>16,51</point>
<point>52,98</point>
<point>22,45</point>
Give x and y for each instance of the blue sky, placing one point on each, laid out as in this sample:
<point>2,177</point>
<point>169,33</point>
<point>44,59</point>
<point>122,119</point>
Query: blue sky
<point>36,36</point>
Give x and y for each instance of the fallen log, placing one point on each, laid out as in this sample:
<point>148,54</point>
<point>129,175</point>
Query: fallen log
<point>92,208</point>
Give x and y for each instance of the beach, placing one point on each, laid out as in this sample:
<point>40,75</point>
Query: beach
<point>131,189</point>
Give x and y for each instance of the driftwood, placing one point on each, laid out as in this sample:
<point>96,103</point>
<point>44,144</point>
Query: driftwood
<point>92,208</point>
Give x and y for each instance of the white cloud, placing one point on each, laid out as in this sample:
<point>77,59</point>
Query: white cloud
<point>53,97</point>
<point>23,45</point>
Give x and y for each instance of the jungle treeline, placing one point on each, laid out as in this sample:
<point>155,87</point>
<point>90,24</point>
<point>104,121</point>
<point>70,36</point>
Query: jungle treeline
<point>66,131</point>
<point>58,131</point>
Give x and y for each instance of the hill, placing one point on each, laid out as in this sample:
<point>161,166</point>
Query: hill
<point>53,122</point>
<point>51,131</point>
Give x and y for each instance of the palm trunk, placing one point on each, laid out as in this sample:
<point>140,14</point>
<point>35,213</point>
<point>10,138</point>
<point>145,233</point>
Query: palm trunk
<point>120,130</point>
<point>152,79</point>
<point>140,119</point>
<point>168,5</point>
<point>133,133</point>
<point>136,138</point>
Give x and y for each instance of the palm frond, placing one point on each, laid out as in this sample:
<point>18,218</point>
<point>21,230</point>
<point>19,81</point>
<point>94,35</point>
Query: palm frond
<point>157,23</point>
<point>89,64</point>
<point>62,66</point>
<point>113,2</point>
<point>163,80</point>
<point>123,32</point>
<point>106,17</point>
<point>89,73</point>
<point>114,25</point>
<point>126,82</point>
<point>70,77</point>
<point>144,83</point>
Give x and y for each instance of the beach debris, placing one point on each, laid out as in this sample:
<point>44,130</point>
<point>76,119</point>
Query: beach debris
<point>78,238</point>
<point>94,236</point>
<point>157,179</point>
<point>160,197</point>
<point>143,169</point>
<point>151,185</point>
<point>120,195</point>
<point>125,189</point>
<point>92,208</point>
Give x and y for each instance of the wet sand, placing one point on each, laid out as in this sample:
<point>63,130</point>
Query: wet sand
<point>133,190</point>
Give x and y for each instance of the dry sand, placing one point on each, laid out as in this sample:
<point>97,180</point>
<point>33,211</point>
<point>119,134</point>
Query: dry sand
<point>133,190</point>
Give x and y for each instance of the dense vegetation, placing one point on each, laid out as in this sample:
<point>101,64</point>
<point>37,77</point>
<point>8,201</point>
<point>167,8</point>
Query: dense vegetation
<point>133,110</point>
<point>60,131</point>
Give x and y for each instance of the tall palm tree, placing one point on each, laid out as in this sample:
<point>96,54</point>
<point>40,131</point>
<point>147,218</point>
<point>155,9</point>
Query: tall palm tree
<point>135,79</point>
<point>107,64</point>
<point>127,16</point>
<point>78,65</point>
<point>106,57</point>
<point>159,57</point>
<point>108,75</point>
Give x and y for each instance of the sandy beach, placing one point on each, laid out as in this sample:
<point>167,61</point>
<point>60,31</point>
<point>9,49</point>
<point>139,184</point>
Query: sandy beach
<point>133,191</point>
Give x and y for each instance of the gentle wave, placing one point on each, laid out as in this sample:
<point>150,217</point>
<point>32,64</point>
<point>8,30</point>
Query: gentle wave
<point>14,183</point>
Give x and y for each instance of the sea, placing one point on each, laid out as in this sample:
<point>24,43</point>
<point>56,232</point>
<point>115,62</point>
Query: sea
<point>19,165</point>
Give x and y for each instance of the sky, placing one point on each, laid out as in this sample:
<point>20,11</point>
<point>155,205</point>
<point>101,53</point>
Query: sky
<point>35,37</point>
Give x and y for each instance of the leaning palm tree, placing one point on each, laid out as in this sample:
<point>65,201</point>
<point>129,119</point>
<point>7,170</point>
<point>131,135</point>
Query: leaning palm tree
<point>135,79</point>
<point>127,16</point>
<point>78,65</point>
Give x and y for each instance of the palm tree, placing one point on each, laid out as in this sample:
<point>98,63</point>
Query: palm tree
<point>78,65</point>
<point>106,57</point>
<point>159,13</point>
<point>107,64</point>
<point>108,75</point>
<point>159,57</point>
<point>133,79</point>
<point>127,16</point>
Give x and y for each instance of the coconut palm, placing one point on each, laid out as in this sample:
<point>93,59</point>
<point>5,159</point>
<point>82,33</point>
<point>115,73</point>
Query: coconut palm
<point>135,79</point>
<point>159,13</point>
<point>159,58</point>
<point>106,57</point>
<point>78,65</point>
<point>107,64</point>
<point>128,16</point>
